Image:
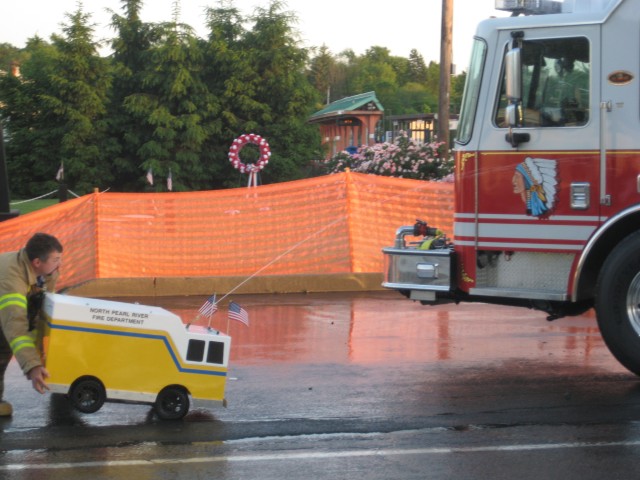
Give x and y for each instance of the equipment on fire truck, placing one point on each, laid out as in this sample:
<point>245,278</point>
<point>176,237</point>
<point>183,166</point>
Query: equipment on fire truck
<point>420,268</point>
<point>433,238</point>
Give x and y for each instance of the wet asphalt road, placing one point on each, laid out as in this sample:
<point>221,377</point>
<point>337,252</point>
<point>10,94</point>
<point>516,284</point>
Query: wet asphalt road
<point>370,385</point>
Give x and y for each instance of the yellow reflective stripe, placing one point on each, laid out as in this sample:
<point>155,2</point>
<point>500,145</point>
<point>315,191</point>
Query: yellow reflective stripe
<point>19,343</point>
<point>13,299</point>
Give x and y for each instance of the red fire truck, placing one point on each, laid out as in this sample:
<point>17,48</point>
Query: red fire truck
<point>547,202</point>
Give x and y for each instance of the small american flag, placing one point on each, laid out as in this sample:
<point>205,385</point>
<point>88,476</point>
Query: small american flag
<point>209,307</point>
<point>236,312</point>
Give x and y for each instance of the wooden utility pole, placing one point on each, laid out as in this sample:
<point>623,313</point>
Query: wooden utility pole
<point>445,71</point>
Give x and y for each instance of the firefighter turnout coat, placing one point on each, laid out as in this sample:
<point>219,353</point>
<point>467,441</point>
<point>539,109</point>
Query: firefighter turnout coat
<point>21,293</point>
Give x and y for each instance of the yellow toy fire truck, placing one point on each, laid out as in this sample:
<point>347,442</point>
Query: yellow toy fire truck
<point>101,350</point>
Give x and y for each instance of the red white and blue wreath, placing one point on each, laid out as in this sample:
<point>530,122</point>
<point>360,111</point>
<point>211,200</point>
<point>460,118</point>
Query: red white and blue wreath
<point>252,168</point>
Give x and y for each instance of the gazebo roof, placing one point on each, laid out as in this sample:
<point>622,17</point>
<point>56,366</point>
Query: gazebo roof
<point>362,103</point>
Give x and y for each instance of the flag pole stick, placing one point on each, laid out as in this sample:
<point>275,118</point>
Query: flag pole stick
<point>211,314</point>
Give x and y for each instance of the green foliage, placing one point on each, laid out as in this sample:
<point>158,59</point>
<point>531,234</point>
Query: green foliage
<point>457,89</point>
<point>169,101</point>
<point>175,105</point>
<point>77,96</point>
<point>232,79</point>
<point>415,98</point>
<point>285,91</point>
<point>130,49</point>
<point>323,71</point>
<point>33,131</point>
<point>403,85</point>
<point>55,112</point>
<point>418,72</point>
<point>262,90</point>
<point>10,56</point>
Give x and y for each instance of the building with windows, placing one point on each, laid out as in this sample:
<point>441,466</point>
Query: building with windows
<point>348,123</point>
<point>358,120</point>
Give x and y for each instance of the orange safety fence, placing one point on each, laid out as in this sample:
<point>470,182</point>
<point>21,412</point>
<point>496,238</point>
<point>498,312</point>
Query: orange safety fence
<point>332,224</point>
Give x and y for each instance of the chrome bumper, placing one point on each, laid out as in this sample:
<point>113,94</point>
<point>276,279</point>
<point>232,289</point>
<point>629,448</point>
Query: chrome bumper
<point>422,272</point>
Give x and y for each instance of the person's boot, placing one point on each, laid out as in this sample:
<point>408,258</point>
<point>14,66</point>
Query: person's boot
<point>6,410</point>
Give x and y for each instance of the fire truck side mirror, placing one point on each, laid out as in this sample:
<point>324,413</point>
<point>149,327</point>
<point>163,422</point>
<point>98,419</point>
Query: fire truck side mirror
<point>513,71</point>
<point>511,115</point>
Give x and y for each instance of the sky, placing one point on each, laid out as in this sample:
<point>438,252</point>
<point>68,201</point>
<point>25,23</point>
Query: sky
<point>338,24</point>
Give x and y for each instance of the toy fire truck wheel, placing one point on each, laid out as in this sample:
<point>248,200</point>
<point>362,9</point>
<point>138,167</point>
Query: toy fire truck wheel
<point>618,302</point>
<point>87,395</point>
<point>172,403</point>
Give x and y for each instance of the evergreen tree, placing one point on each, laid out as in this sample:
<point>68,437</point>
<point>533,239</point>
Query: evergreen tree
<point>78,98</point>
<point>232,81</point>
<point>323,73</point>
<point>10,56</point>
<point>176,105</point>
<point>131,47</point>
<point>417,68</point>
<point>172,102</point>
<point>33,131</point>
<point>284,88</point>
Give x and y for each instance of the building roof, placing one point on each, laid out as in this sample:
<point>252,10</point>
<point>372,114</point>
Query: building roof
<point>363,102</point>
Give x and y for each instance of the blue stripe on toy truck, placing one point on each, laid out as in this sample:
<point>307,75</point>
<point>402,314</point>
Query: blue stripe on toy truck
<point>141,335</point>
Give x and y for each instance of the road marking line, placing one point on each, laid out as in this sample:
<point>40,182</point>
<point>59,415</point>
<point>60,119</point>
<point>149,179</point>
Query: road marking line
<point>317,455</point>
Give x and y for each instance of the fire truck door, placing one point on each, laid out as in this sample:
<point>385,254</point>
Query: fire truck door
<point>551,172</point>
<point>620,174</point>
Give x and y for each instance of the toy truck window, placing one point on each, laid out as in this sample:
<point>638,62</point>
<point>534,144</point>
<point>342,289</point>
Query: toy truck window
<point>195,350</point>
<point>555,84</point>
<point>215,354</point>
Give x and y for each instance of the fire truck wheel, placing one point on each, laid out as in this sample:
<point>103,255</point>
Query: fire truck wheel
<point>172,403</point>
<point>87,395</point>
<point>618,302</point>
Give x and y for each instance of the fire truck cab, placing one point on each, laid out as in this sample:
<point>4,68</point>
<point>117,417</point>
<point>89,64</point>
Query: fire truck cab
<point>547,192</point>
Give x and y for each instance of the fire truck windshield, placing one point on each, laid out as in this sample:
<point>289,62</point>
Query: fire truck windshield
<point>471,91</point>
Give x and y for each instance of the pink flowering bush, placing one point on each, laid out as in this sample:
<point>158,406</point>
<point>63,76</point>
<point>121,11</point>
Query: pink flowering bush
<point>403,158</point>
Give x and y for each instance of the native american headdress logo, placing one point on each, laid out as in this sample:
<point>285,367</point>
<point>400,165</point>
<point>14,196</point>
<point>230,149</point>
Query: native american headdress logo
<point>535,181</point>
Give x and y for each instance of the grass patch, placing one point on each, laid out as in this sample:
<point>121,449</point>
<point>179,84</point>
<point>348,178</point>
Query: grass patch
<point>32,205</point>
